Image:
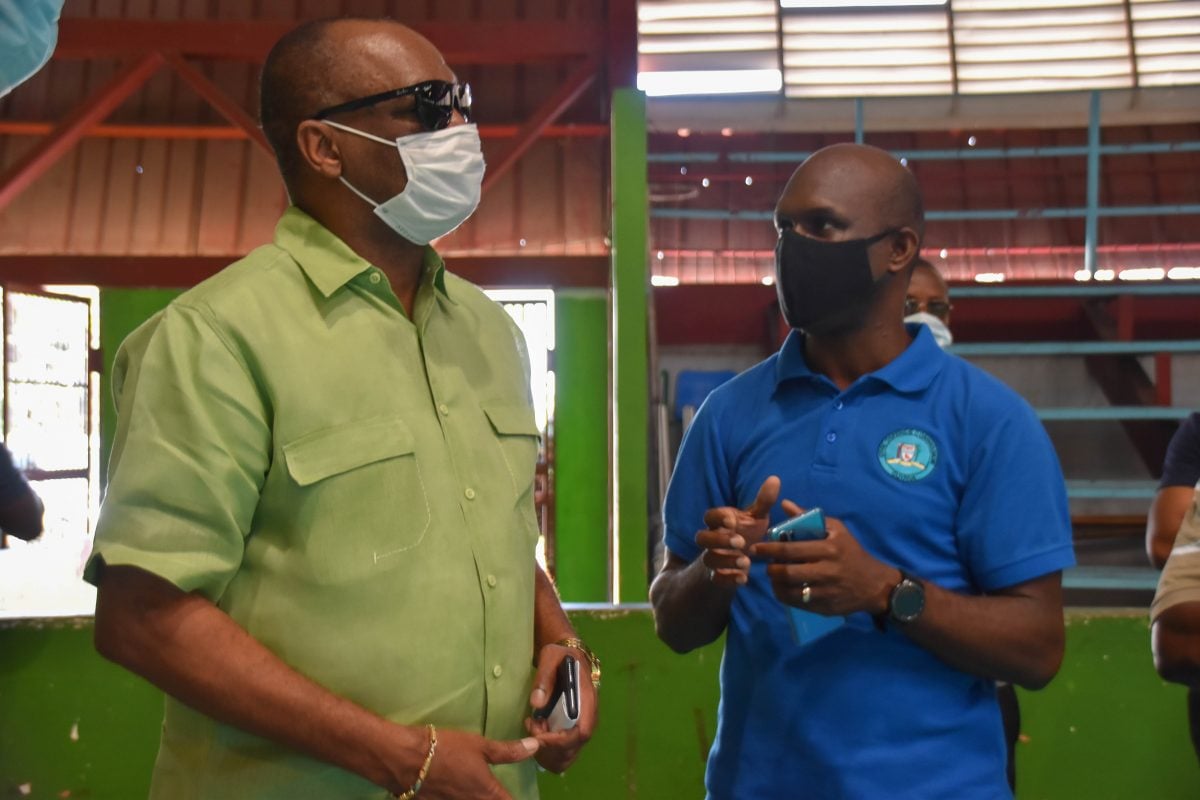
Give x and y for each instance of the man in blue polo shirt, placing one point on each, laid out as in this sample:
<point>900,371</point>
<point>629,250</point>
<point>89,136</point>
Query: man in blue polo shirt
<point>946,516</point>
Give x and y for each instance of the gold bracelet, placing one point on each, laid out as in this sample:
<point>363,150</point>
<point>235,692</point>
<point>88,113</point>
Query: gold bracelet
<point>416,787</point>
<point>593,659</point>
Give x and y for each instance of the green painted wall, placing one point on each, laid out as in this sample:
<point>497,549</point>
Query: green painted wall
<point>581,445</point>
<point>1106,728</point>
<point>121,310</point>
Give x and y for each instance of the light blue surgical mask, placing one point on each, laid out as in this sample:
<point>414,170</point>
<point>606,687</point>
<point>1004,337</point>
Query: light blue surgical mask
<point>941,333</point>
<point>28,33</point>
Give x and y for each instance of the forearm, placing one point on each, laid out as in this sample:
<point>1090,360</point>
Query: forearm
<point>550,623</point>
<point>1011,636</point>
<point>1175,640</point>
<point>690,611</point>
<point>195,652</point>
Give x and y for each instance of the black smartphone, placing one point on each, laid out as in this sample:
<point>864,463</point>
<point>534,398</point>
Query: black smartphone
<point>562,710</point>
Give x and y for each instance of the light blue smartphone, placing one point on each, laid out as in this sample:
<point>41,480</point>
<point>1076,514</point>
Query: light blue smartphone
<point>806,527</point>
<point>807,627</point>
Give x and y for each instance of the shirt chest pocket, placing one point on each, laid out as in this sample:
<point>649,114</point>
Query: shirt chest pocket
<point>360,499</point>
<point>517,434</point>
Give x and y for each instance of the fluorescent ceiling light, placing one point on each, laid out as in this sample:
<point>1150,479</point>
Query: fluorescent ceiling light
<point>1082,275</point>
<point>1104,275</point>
<point>1183,273</point>
<point>989,277</point>
<point>664,280</point>
<point>848,5</point>
<point>702,82</point>
<point>1143,274</point>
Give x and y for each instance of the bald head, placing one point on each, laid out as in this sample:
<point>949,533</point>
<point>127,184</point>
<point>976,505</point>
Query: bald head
<point>325,62</point>
<point>866,182</point>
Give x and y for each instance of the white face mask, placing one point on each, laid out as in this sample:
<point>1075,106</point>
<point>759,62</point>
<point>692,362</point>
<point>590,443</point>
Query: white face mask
<point>941,333</point>
<point>445,178</point>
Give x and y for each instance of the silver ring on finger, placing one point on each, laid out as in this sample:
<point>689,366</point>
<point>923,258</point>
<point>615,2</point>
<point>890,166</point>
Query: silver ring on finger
<point>805,594</point>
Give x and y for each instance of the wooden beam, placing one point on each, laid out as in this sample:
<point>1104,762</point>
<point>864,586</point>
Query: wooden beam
<point>21,175</point>
<point>461,43</point>
<point>556,272</point>
<point>575,85</point>
<point>216,97</point>
<point>222,132</point>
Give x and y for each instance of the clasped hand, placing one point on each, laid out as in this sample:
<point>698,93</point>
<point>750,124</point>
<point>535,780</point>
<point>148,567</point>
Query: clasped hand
<point>558,749</point>
<point>840,575</point>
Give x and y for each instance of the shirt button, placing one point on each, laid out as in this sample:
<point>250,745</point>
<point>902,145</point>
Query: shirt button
<point>497,670</point>
<point>374,277</point>
<point>839,405</point>
<point>470,493</point>
<point>831,437</point>
<point>443,409</point>
<point>491,580</point>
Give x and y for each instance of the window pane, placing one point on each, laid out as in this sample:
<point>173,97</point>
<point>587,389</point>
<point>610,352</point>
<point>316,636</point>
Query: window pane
<point>47,426</point>
<point>42,578</point>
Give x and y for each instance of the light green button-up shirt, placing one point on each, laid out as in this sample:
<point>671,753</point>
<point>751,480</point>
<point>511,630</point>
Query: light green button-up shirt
<point>353,487</point>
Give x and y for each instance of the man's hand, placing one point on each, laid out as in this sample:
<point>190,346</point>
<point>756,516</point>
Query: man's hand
<point>460,768</point>
<point>559,748</point>
<point>729,530</point>
<point>840,576</point>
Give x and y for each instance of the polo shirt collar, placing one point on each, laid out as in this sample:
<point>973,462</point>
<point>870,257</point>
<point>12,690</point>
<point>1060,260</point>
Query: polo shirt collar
<point>328,262</point>
<point>911,371</point>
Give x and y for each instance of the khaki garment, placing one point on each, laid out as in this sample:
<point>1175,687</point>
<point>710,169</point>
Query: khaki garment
<point>1180,579</point>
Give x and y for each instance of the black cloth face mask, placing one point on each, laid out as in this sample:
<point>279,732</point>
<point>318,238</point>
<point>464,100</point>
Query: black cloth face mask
<point>824,287</point>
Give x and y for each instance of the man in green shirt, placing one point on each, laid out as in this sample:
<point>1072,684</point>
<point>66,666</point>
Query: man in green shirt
<point>318,537</point>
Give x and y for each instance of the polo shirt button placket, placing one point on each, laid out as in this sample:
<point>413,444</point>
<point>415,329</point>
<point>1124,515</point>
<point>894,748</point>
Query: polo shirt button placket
<point>831,437</point>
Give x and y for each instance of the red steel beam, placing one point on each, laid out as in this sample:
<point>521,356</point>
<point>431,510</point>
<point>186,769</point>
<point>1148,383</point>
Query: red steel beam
<point>223,103</point>
<point>515,42</point>
<point>21,175</point>
<point>575,85</point>
<point>221,132</point>
<point>183,271</point>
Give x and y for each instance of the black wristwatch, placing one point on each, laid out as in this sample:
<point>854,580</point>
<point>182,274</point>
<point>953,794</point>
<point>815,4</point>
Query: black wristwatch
<point>907,600</point>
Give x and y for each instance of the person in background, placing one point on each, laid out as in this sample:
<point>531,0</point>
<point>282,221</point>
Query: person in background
<point>319,534</point>
<point>946,525</point>
<point>928,303</point>
<point>21,510</point>
<point>1171,512</point>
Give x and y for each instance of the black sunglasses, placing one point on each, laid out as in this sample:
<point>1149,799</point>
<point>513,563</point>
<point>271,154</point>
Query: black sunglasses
<point>938,308</point>
<point>436,102</point>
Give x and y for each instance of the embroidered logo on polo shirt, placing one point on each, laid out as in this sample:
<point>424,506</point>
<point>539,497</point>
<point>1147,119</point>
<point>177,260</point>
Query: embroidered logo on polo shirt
<point>908,454</point>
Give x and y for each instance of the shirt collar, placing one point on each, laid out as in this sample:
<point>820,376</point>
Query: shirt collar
<point>329,262</point>
<point>911,371</point>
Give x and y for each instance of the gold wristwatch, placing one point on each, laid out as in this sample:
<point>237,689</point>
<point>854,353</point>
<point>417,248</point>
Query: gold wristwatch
<point>593,659</point>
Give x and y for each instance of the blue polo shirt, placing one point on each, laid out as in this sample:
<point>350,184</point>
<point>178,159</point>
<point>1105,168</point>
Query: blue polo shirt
<point>937,468</point>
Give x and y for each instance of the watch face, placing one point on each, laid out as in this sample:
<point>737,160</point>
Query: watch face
<point>908,600</point>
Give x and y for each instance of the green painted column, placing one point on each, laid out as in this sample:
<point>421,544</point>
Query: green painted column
<point>630,351</point>
<point>581,445</point>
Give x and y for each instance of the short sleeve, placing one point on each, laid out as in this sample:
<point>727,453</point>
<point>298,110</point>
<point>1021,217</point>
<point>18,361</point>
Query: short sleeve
<point>1181,467</point>
<point>1014,523</point>
<point>701,481</point>
<point>191,452</point>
